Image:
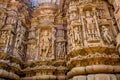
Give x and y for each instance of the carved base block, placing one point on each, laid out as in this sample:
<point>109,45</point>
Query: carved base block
<point>93,69</point>
<point>96,77</point>
<point>42,77</point>
<point>61,78</point>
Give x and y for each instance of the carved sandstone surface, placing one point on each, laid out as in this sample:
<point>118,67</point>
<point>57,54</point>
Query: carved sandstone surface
<point>60,40</point>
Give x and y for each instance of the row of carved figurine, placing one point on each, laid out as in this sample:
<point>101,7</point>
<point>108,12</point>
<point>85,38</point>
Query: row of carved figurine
<point>96,55</point>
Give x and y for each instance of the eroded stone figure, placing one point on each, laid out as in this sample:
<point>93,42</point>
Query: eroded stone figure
<point>11,18</point>
<point>61,50</point>
<point>73,15</point>
<point>32,33</point>
<point>2,19</point>
<point>46,44</point>
<point>31,51</point>
<point>77,36</point>
<point>118,42</point>
<point>9,39</point>
<point>20,36</point>
<point>72,41</point>
<point>106,34</point>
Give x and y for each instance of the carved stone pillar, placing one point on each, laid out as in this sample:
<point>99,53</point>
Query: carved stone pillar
<point>7,40</point>
<point>89,39</point>
<point>32,45</point>
<point>60,42</point>
<point>10,26</point>
<point>20,41</point>
<point>40,46</point>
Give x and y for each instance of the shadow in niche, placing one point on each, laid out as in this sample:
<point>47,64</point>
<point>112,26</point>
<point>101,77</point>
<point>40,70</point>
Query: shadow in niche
<point>5,79</point>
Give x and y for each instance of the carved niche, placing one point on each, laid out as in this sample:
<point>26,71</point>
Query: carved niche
<point>75,34</point>
<point>60,42</point>
<point>32,48</point>
<point>20,41</point>
<point>8,29</point>
<point>91,25</point>
<point>46,15</point>
<point>11,18</point>
<point>45,44</point>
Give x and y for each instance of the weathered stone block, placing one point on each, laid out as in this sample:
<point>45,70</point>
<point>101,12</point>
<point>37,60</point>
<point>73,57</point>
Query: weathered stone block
<point>80,78</point>
<point>113,77</point>
<point>91,77</point>
<point>102,77</point>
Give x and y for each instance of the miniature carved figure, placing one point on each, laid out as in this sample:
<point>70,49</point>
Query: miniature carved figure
<point>11,18</point>
<point>61,50</point>
<point>72,40</point>
<point>90,23</point>
<point>2,19</point>
<point>31,51</point>
<point>20,35</point>
<point>106,35</point>
<point>32,34</point>
<point>9,39</point>
<point>77,35</point>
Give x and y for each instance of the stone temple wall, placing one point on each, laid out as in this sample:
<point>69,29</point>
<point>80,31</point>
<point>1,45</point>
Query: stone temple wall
<point>72,40</point>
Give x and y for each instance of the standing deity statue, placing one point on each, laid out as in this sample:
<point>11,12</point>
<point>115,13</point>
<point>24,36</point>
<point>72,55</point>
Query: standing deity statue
<point>90,23</point>
<point>72,41</point>
<point>46,44</point>
<point>61,50</point>
<point>77,36</point>
<point>106,35</point>
<point>31,51</point>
